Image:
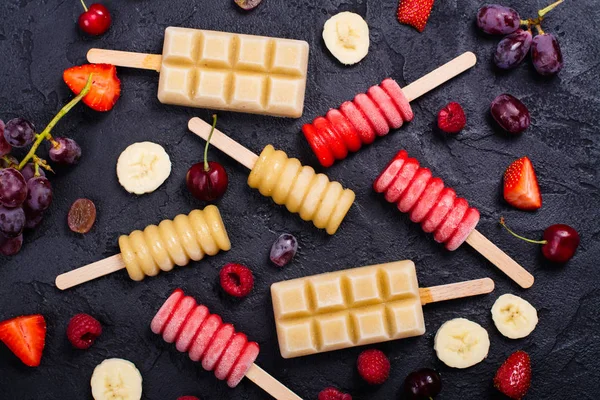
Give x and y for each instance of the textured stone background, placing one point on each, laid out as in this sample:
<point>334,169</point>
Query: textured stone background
<point>39,39</point>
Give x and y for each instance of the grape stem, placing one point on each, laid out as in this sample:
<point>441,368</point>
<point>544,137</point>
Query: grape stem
<point>539,29</point>
<point>46,132</point>
<point>212,130</point>
<point>519,236</point>
<point>544,11</point>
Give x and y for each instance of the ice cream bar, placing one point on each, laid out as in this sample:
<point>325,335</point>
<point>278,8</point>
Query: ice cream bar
<point>225,71</point>
<point>355,307</point>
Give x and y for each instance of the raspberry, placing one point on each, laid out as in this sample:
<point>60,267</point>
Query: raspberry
<point>331,393</point>
<point>373,366</point>
<point>452,119</point>
<point>83,330</point>
<point>236,279</point>
<point>188,398</point>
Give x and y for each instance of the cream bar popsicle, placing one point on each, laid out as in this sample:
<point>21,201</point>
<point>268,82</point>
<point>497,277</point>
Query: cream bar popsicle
<point>355,307</point>
<point>224,71</point>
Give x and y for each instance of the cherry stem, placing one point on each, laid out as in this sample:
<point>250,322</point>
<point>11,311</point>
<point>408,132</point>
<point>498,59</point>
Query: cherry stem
<point>519,236</point>
<point>544,11</point>
<point>212,130</point>
<point>46,132</point>
<point>84,6</point>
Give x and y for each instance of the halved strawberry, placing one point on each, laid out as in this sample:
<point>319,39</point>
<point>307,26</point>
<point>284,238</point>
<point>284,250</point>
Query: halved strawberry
<point>25,336</point>
<point>403,179</point>
<point>521,189</point>
<point>415,12</point>
<point>387,176</point>
<point>106,86</point>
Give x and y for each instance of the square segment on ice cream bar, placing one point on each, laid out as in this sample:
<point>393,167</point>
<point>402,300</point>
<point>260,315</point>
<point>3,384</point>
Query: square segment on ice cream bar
<point>406,318</point>
<point>286,96</point>
<point>328,294</point>
<point>174,85</point>
<point>212,87</point>
<point>297,338</point>
<point>181,45</point>
<point>248,91</point>
<point>290,57</point>
<point>370,324</point>
<point>253,53</point>
<point>290,299</point>
<point>334,331</point>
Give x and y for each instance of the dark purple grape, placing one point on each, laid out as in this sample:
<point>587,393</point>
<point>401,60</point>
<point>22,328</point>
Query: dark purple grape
<point>423,384</point>
<point>247,4</point>
<point>66,152</point>
<point>13,188</point>
<point>284,249</point>
<point>32,218</point>
<point>39,194</point>
<point>511,50</point>
<point>5,148</point>
<point>12,221</point>
<point>498,20</point>
<point>12,162</point>
<point>510,113</point>
<point>19,132</point>
<point>546,54</point>
<point>28,171</point>
<point>10,246</point>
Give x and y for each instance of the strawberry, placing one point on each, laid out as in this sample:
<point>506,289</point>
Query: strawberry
<point>106,86</point>
<point>513,378</point>
<point>521,189</point>
<point>415,12</point>
<point>25,336</point>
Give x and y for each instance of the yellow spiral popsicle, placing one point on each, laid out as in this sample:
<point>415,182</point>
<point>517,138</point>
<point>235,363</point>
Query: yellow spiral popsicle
<point>301,189</point>
<point>176,242</point>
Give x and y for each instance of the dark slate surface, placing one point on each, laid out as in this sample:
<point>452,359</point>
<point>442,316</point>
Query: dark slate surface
<point>39,39</point>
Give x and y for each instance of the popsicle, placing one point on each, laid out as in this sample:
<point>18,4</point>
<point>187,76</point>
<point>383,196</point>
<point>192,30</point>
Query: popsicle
<point>358,306</point>
<point>440,211</point>
<point>224,71</point>
<point>298,187</point>
<point>217,345</point>
<point>159,248</point>
<point>383,107</point>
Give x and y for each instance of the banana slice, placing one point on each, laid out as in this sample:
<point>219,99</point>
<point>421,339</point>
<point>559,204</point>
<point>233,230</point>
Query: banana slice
<point>143,167</point>
<point>461,343</point>
<point>346,35</point>
<point>116,379</point>
<point>514,317</point>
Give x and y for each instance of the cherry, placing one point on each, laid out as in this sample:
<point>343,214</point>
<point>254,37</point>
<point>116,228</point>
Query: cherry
<point>207,180</point>
<point>423,384</point>
<point>95,20</point>
<point>559,244</point>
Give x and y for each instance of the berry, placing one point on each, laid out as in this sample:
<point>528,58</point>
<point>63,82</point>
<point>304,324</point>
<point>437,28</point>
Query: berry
<point>33,218</point>
<point>495,19</point>
<point>514,376</point>
<point>248,4</point>
<point>95,20</point>
<point>423,384</point>
<point>106,86</point>
<point>65,151</point>
<point>13,188</point>
<point>10,246</point>
<point>12,221</point>
<point>521,189</point>
<point>331,393</point>
<point>5,148</point>
<point>26,337</point>
<point>546,54</point>
<point>82,216</point>
<point>19,132</point>
<point>415,13</point>
<point>236,280</point>
<point>510,113</point>
<point>284,249</point>
<point>28,171</point>
<point>511,50</point>
<point>39,194</point>
<point>452,119</point>
<point>83,330</point>
<point>373,366</point>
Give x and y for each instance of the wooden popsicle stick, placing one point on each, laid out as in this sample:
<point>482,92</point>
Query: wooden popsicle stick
<point>500,259</point>
<point>90,272</point>
<point>269,384</point>
<point>125,59</point>
<point>439,76</point>
<point>456,290</point>
<point>223,142</point>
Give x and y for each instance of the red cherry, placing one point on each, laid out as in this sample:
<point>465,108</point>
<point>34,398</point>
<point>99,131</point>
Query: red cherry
<point>95,20</point>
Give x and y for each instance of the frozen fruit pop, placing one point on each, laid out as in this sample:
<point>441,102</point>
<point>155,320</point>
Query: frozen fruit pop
<point>358,306</point>
<point>440,211</point>
<point>215,344</point>
<point>284,179</point>
<point>159,248</point>
<point>224,71</point>
<point>383,107</point>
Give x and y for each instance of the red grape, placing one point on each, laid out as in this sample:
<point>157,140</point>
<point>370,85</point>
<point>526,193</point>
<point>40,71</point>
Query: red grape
<point>10,246</point>
<point>5,148</point>
<point>498,20</point>
<point>546,54</point>
<point>39,194</point>
<point>19,132</point>
<point>67,151</point>
<point>510,113</point>
<point>12,221</point>
<point>33,218</point>
<point>511,50</point>
<point>13,188</point>
<point>284,249</point>
<point>247,4</point>
<point>28,171</point>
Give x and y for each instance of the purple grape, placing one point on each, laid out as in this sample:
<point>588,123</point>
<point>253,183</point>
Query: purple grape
<point>28,171</point>
<point>39,194</point>
<point>284,249</point>
<point>498,20</point>
<point>12,221</point>
<point>19,132</point>
<point>32,218</point>
<point>511,50</point>
<point>13,188</point>
<point>546,54</point>
<point>12,162</point>
<point>5,148</point>
<point>67,151</point>
<point>10,246</point>
<point>510,113</point>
